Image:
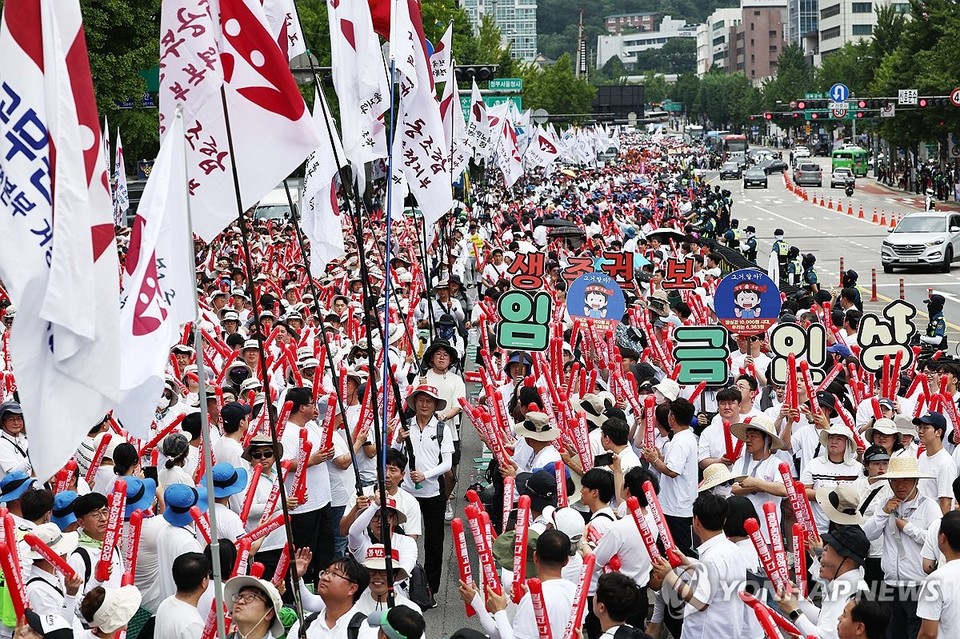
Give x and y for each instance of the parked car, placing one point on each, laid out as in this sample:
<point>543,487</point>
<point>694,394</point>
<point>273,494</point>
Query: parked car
<point>754,177</point>
<point>841,177</point>
<point>801,152</point>
<point>808,174</point>
<point>730,170</point>
<point>930,237</point>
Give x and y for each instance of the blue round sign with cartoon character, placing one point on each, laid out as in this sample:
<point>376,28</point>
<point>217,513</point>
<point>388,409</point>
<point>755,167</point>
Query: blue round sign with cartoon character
<point>747,302</point>
<point>596,296</point>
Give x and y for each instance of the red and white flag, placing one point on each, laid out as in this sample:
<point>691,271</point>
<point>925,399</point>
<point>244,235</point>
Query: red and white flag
<point>360,80</point>
<point>285,27</point>
<point>542,150</point>
<point>441,59</point>
<point>425,161</point>
<point>319,212</point>
<point>58,256</point>
<point>478,128</point>
<point>158,279</point>
<point>121,197</point>
<point>508,155</point>
<point>271,128</point>
<point>454,129</point>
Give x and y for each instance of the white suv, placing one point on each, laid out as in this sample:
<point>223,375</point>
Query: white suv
<point>931,238</point>
<point>801,152</point>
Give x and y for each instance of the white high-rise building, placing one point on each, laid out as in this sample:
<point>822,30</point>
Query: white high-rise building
<point>843,21</point>
<point>629,47</point>
<point>516,19</point>
<point>713,38</point>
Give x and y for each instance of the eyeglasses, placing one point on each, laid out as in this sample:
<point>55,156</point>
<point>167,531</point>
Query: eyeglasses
<point>331,573</point>
<point>247,595</point>
<point>261,454</point>
<point>103,513</point>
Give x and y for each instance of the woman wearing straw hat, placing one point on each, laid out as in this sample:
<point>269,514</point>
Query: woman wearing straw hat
<point>902,523</point>
<point>759,468</point>
<point>835,465</point>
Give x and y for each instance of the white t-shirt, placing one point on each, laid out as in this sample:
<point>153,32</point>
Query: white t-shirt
<point>343,482</point>
<point>623,539</point>
<point>677,494</point>
<point>229,525</point>
<point>939,599</point>
<point>406,503</point>
<point>721,567</point>
<point>558,599</point>
<point>823,473</point>
<point>941,466</point>
<point>766,470</point>
<point>178,620</point>
<point>148,566</point>
<point>428,455</point>
<point>318,479</point>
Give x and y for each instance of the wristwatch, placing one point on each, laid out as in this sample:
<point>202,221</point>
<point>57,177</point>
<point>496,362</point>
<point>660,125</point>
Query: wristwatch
<point>794,614</point>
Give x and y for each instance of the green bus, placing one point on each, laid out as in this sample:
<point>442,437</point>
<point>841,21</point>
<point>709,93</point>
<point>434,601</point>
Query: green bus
<point>850,157</point>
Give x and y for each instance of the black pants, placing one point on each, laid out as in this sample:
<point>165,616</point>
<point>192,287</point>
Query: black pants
<point>434,528</point>
<point>682,530</point>
<point>904,621</point>
<point>309,532</point>
<point>873,572</point>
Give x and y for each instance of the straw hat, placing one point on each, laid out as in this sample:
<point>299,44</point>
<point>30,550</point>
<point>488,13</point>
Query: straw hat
<point>904,467</point>
<point>715,475</point>
<point>841,504</point>
<point>760,423</point>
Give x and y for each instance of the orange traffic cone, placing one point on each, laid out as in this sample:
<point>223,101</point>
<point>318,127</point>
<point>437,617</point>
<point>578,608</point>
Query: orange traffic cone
<point>893,223</point>
<point>830,205</point>
<point>860,214</point>
<point>805,198</point>
<point>883,218</point>
<point>875,220</point>
<point>849,208</point>
<point>839,206</point>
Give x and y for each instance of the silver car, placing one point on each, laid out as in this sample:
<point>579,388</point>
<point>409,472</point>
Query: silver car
<point>929,238</point>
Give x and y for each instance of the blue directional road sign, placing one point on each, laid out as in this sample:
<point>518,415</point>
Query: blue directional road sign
<point>839,92</point>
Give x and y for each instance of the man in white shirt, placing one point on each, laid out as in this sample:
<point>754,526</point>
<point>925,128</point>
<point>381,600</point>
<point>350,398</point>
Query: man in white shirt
<point>176,537</point>
<point>13,440</point>
<point>841,569</point>
<point>678,474</point>
<point>939,605</point>
<point>335,604</point>
<point>551,555</point>
<point>309,523</point>
<point>617,600</point>
<point>712,447</point>
<point>178,616</point>
<point>429,445</point>
<point>711,609</point>
<point>902,523</point>
<point>48,592</point>
<point>936,461</point>
<point>229,448</point>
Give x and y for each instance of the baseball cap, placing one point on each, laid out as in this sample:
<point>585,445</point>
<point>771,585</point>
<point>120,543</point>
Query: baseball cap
<point>933,419</point>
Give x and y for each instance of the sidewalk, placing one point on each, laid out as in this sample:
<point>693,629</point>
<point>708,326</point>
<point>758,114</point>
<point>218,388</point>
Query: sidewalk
<point>870,186</point>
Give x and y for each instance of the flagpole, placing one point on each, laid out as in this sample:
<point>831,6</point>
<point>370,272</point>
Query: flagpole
<point>334,380</point>
<point>264,373</point>
<point>204,418</point>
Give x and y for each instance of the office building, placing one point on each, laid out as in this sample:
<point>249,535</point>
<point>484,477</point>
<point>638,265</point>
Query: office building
<point>616,24</point>
<point>516,19</point>
<point>628,47</point>
<point>757,42</point>
<point>843,21</point>
<point>713,39</point>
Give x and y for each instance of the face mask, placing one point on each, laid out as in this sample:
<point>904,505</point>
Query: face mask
<point>163,403</point>
<point>446,332</point>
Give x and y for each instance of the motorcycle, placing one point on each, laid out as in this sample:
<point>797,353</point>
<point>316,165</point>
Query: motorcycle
<point>849,190</point>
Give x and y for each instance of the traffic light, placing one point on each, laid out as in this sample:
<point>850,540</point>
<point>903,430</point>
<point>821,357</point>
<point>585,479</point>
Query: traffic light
<point>812,104</point>
<point>478,72</point>
<point>932,102</point>
<point>767,116</point>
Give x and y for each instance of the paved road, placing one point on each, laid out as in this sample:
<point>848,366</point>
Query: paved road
<point>832,235</point>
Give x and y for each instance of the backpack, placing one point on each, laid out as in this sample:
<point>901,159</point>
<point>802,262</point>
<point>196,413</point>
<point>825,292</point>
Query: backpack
<point>353,628</point>
<point>418,590</point>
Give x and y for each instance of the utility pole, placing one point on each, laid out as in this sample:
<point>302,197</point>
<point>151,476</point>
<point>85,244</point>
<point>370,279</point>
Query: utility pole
<point>581,70</point>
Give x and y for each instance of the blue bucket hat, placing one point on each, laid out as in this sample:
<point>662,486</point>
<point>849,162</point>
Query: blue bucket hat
<point>179,499</point>
<point>140,494</point>
<point>14,485</point>
<point>63,509</point>
<point>227,480</point>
